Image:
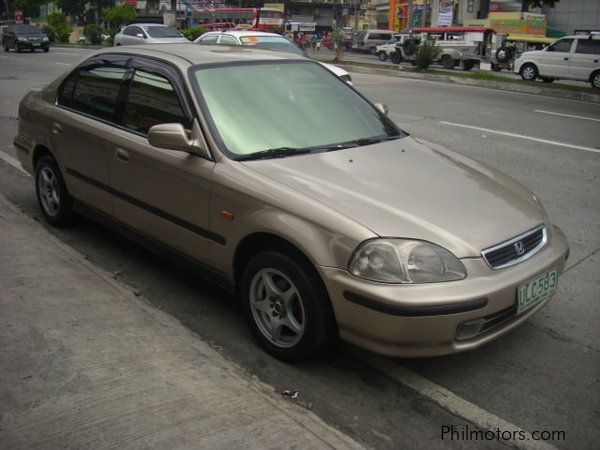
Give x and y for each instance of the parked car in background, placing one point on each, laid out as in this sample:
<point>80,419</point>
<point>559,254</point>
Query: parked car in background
<point>392,50</point>
<point>570,58</point>
<point>24,37</point>
<point>148,33</point>
<point>510,47</point>
<point>262,40</point>
<point>287,187</point>
<point>367,41</point>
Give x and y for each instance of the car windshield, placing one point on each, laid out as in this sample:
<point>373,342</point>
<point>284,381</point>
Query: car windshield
<point>27,29</point>
<point>284,107</point>
<point>271,43</point>
<point>162,32</point>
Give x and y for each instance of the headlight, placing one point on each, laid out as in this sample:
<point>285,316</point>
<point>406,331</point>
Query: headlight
<point>405,261</point>
<point>21,38</point>
<point>45,39</point>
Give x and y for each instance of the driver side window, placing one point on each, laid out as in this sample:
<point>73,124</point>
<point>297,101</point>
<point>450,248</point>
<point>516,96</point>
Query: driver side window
<point>564,45</point>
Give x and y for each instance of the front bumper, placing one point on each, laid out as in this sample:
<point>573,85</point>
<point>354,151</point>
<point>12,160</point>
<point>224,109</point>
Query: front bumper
<point>27,45</point>
<point>424,319</point>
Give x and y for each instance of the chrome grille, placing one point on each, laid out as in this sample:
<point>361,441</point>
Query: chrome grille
<point>517,249</point>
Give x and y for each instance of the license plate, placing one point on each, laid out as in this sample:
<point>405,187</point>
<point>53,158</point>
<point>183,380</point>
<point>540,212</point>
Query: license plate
<point>536,290</point>
<point>36,44</point>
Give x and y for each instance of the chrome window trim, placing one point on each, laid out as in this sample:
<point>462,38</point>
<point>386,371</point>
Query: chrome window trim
<point>520,237</point>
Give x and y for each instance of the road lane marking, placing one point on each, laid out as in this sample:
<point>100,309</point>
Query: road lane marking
<point>12,161</point>
<point>451,402</point>
<point>63,64</point>
<point>65,53</point>
<point>565,115</point>
<point>522,136</point>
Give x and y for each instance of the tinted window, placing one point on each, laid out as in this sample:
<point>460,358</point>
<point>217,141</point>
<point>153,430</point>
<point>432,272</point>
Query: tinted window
<point>152,101</point>
<point>96,91</point>
<point>162,32</point>
<point>65,94</point>
<point>228,40</point>
<point>564,45</point>
<point>26,29</point>
<point>209,40</point>
<point>588,46</point>
<point>132,31</point>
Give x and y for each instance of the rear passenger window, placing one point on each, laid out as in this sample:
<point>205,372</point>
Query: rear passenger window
<point>65,95</point>
<point>152,101</point>
<point>588,46</point>
<point>96,91</point>
<point>209,40</point>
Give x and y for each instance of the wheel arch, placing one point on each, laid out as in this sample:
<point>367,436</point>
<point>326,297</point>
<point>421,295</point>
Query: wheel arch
<point>39,151</point>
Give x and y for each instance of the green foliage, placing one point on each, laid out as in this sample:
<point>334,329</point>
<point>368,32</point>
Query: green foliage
<point>194,33</point>
<point>60,27</point>
<point>119,15</point>
<point>427,53</point>
<point>31,8</point>
<point>93,32</point>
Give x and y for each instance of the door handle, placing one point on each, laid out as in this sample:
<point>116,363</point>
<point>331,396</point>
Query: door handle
<point>56,128</point>
<point>122,155</point>
<point>566,59</point>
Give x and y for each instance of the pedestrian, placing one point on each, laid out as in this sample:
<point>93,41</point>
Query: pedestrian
<point>318,45</point>
<point>313,41</point>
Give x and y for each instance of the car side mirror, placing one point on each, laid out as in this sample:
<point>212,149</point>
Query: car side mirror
<point>383,108</point>
<point>140,35</point>
<point>172,136</point>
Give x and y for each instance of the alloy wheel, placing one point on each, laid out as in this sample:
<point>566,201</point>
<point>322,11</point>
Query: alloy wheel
<point>277,307</point>
<point>529,73</point>
<point>49,191</point>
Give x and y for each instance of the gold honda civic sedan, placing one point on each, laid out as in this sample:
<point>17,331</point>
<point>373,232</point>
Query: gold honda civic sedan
<point>269,175</point>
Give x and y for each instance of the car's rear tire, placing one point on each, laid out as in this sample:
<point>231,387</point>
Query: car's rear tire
<point>382,56</point>
<point>595,79</point>
<point>55,202</point>
<point>529,72</point>
<point>396,58</point>
<point>448,62</point>
<point>286,305</point>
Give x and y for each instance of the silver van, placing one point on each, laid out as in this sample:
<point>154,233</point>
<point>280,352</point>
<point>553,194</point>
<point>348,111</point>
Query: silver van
<point>570,58</point>
<point>367,41</point>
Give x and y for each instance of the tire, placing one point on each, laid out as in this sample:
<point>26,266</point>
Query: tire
<point>503,54</point>
<point>595,80</point>
<point>54,200</point>
<point>47,49</point>
<point>448,62</point>
<point>305,324</point>
<point>17,48</point>
<point>529,72</point>
<point>468,65</point>
<point>548,79</point>
<point>396,58</point>
<point>6,48</point>
<point>382,56</point>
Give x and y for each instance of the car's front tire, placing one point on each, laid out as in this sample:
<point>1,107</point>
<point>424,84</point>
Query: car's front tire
<point>55,202</point>
<point>286,306</point>
<point>396,58</point>
<point>448,62</point>
<point>529,72</point>
<point>382,56</point>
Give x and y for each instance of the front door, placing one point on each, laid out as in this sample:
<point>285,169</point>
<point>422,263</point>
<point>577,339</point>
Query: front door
<point>556,59</point>
<point>164,194</point>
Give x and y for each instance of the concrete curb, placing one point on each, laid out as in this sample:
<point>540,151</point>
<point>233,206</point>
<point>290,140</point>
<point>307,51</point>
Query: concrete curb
<point>70,427</point>
<point>490,84</point>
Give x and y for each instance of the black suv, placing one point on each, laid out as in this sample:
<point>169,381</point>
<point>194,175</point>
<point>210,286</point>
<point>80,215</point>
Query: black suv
<point>20,37</point>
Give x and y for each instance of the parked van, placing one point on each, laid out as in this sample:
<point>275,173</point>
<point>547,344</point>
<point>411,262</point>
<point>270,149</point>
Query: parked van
<point>571,58</point>
<point>367,41</point>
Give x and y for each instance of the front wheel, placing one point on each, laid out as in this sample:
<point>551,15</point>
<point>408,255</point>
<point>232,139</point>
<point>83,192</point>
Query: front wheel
<point>448,62</point>
<point>382,56</point>
<point>46,49</point>
<point>54,200</point>
<point>529,72</point>
<point>396,58</point>
<point>286,306</point>
<point>595,80</point>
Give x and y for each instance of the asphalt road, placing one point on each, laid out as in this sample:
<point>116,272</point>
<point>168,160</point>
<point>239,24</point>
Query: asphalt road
<point>544,376</point>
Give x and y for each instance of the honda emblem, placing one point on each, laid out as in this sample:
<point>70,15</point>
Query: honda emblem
<point>519,248</point>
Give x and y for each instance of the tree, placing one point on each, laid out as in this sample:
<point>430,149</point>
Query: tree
<point>31,8</point>
<point>119,15</point>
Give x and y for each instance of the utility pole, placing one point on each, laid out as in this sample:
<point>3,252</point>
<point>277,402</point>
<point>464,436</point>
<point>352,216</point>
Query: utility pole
<point>356,15</point>
<point>409,14</point>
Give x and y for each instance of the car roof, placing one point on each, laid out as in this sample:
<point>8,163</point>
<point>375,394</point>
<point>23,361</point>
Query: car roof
<point>186,55</point>
<point>241,33</point>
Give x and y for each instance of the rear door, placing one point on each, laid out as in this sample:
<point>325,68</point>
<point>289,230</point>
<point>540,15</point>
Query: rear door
<point>164,194</point>
<point>556,59</point>
<point>87,104</point>
<point>130,35</point>
<point>585,59</point>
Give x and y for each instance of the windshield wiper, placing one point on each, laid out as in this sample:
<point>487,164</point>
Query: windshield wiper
<point>279,152</point>
<point>376,139</point>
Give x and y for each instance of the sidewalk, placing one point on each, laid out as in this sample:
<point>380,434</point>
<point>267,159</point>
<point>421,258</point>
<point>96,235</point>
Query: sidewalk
<point>85,363</point>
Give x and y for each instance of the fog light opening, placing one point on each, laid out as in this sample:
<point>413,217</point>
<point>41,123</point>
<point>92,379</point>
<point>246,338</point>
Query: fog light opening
<point>469,329</point>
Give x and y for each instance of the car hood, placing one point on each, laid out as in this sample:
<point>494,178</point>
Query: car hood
<point>409,188</point>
